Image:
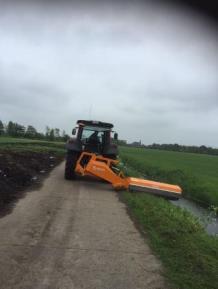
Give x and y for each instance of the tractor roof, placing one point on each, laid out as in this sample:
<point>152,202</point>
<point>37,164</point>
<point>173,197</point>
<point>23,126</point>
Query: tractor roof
<point>95,123</point>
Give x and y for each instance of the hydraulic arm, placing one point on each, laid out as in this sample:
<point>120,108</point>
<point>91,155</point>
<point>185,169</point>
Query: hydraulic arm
<point>106,169</point>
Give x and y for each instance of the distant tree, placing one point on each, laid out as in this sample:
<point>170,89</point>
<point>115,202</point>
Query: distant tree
<point>47,132</point>
<point>31,132</point>
<point>63,133</point>
<point>2,129</point>
<point>19,130</point>
<point>40,135</point>
<point>10,128</point>
<point>66,138</point>
<point>121,142</point>
<point>15,129</point>
<point>57,133</point>
<point>51,135</point>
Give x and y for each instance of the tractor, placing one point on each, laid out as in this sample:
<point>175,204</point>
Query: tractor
<point>93,153</point>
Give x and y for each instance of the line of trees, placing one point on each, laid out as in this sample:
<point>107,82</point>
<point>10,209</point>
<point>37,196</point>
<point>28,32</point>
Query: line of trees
<point>181,148</point>
<point>173,147</point>
<point>14,129</point>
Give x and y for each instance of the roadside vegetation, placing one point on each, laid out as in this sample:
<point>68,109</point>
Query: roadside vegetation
<point>188,254</point>
<point>195,173</point>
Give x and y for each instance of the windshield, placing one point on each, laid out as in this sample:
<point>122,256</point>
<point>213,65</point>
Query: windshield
<point>96,128</point>
<point>91,133</point>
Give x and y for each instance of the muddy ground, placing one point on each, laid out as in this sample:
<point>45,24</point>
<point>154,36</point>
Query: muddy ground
<point>19,171</point>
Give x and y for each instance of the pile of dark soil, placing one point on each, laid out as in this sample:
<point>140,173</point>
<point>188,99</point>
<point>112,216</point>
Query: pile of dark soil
<point>19,170</point>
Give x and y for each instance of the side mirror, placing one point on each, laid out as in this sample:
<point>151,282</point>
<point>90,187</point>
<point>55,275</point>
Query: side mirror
<point>74,131</point>
<point>115,136</point>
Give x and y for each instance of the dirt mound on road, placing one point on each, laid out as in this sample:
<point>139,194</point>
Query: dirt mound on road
<point>19,170</point>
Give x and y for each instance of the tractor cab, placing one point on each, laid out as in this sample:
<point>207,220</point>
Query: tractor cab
<point>95,137</point>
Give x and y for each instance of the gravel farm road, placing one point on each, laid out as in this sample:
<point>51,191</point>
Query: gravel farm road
<point>74,235</point>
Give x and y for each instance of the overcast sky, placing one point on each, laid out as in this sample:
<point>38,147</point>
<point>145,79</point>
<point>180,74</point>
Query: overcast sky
<point>150,70</point>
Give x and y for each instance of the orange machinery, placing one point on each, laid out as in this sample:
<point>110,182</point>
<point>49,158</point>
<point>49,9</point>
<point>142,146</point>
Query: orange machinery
<point>90,164</point>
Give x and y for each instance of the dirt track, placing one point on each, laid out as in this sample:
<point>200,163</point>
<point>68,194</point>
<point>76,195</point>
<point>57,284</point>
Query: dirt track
<point>74,235</point>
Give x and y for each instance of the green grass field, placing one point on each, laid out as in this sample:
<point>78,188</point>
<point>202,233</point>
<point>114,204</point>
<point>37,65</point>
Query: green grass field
<point>197,174</point>
<point>20,144</point>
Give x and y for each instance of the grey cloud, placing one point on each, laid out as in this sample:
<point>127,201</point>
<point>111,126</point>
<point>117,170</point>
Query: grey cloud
<point>151,71</point>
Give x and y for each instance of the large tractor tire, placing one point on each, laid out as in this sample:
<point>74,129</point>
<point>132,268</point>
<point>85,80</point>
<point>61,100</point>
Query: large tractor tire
<point>111,156</point>
<point>70,165</point>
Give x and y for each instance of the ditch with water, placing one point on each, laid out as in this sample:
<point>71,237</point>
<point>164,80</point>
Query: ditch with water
<point>206,217</point>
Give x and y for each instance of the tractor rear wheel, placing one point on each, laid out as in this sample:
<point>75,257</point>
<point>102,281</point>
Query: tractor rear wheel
<point>111,156</point>
<point>70,165</point>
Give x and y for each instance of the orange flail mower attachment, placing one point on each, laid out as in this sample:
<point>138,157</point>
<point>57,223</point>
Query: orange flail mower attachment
<point>155,188</point>
<point>105,168</point>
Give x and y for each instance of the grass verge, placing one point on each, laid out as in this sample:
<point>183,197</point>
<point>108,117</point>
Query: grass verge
<point>188,254</point>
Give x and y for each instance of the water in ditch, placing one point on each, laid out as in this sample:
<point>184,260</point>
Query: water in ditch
<point>205,216</point>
